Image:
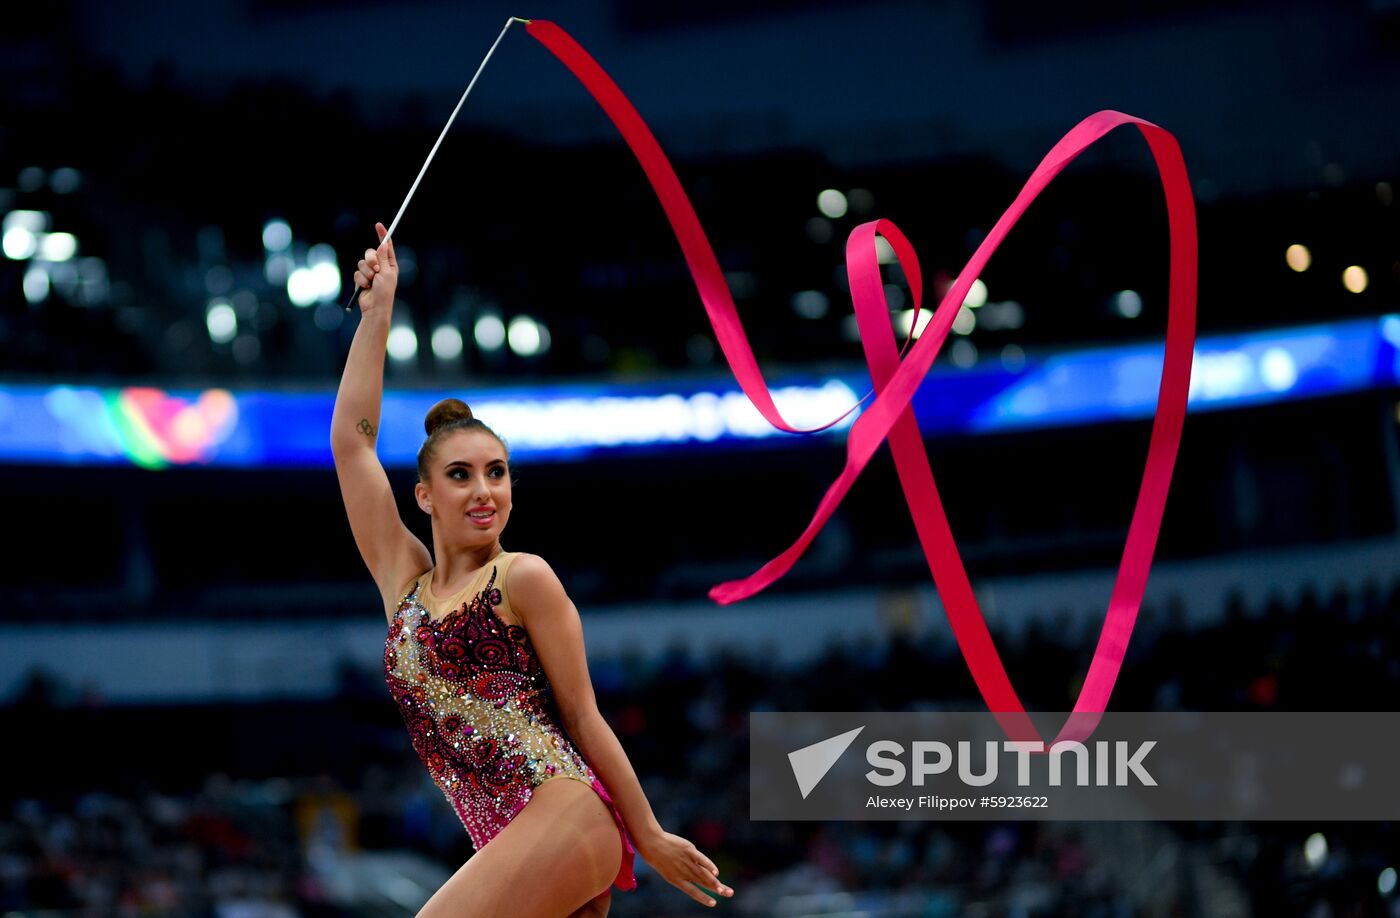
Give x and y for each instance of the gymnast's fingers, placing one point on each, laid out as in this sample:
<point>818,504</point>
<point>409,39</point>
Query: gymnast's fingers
<point>361,281</point>
<point>710,882</point>
<point>705,885</point>
<point>389,258</point>
<point>691,890</point>
<point>706,863</point>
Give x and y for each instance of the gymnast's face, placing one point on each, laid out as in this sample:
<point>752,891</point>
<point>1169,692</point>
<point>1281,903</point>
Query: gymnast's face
<point>468,496</point>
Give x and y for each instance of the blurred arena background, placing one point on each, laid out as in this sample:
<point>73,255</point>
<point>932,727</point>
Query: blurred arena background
<point>194,714</point>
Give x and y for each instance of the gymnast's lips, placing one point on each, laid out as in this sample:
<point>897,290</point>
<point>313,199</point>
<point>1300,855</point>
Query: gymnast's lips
<point>482,521</point>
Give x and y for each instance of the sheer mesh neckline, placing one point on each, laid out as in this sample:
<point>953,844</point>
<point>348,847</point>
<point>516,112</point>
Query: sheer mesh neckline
<point>433,604</point>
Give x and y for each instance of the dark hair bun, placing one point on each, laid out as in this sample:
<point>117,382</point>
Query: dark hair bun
<point>445,412</point>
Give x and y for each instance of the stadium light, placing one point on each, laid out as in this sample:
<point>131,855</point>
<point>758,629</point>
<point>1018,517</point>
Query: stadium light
<point>526,336</point>
<point>1298,257</point>
<point>403,343</point>
<point>276,236</point>
<point>36,284</point>
<point>832,204</point>
<point>490,332</point>
<point>1354,279</point>
<point>1128,303</point>
<point>19,243</point>
<point>221,321</point>
<point>447,342</point>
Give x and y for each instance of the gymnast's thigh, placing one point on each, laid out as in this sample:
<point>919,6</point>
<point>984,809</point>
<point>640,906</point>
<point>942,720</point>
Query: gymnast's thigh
<point>553,858</point>
<point>594,908</point>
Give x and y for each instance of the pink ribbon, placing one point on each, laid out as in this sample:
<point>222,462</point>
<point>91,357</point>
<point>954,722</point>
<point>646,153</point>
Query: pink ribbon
<point>890,416</point>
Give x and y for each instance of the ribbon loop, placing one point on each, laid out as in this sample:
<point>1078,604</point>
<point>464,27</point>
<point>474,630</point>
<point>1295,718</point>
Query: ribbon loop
<point>896,377</point>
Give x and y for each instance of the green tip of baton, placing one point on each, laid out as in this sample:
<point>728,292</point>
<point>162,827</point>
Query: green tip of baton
<point>518,19</point>
<point>713,892</point>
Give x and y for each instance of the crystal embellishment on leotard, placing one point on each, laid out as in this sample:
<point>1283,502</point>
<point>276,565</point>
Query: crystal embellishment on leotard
<point>480,711</point>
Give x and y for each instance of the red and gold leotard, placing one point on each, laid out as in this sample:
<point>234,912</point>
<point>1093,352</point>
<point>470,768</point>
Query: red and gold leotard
<point>479,708</point>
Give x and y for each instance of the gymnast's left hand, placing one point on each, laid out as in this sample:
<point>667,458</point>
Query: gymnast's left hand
<point>681,864</point>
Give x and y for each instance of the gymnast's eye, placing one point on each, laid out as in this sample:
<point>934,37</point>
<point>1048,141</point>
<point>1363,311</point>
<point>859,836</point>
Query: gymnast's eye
<point>498,472</point>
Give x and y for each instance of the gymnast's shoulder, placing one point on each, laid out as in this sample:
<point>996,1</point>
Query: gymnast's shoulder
<point>536,592</point>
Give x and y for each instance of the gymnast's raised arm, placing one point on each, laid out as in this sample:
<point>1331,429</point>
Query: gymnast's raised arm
<point>392,553</point>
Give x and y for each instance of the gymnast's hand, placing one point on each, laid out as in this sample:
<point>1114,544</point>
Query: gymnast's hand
<point>682,864</point>
<point>377,276</point>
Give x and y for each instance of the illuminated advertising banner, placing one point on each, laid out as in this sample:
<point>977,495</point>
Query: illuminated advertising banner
<point>156,428</point>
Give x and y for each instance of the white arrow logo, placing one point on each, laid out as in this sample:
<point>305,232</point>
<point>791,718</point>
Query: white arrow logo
<point>811,763</point>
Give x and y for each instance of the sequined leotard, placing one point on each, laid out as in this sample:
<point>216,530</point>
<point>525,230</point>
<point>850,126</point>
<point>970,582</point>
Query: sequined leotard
<point>479,708</point>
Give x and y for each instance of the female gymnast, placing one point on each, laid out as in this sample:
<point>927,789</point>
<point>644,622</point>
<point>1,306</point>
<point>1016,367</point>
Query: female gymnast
<point>485,658</point>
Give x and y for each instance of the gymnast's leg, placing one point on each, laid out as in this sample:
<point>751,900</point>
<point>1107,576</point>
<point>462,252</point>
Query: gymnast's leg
<point>595,908</point>
<point>553,858</point>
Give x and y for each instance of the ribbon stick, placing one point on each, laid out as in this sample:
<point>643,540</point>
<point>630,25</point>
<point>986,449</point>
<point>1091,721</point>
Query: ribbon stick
<point>433,152</point>
<point>890,416</point>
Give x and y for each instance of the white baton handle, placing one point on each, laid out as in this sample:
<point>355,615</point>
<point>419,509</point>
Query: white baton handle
<point>433,151</point>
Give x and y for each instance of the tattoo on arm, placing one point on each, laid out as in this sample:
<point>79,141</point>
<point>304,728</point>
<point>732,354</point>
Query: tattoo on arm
<point>365,427</point>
